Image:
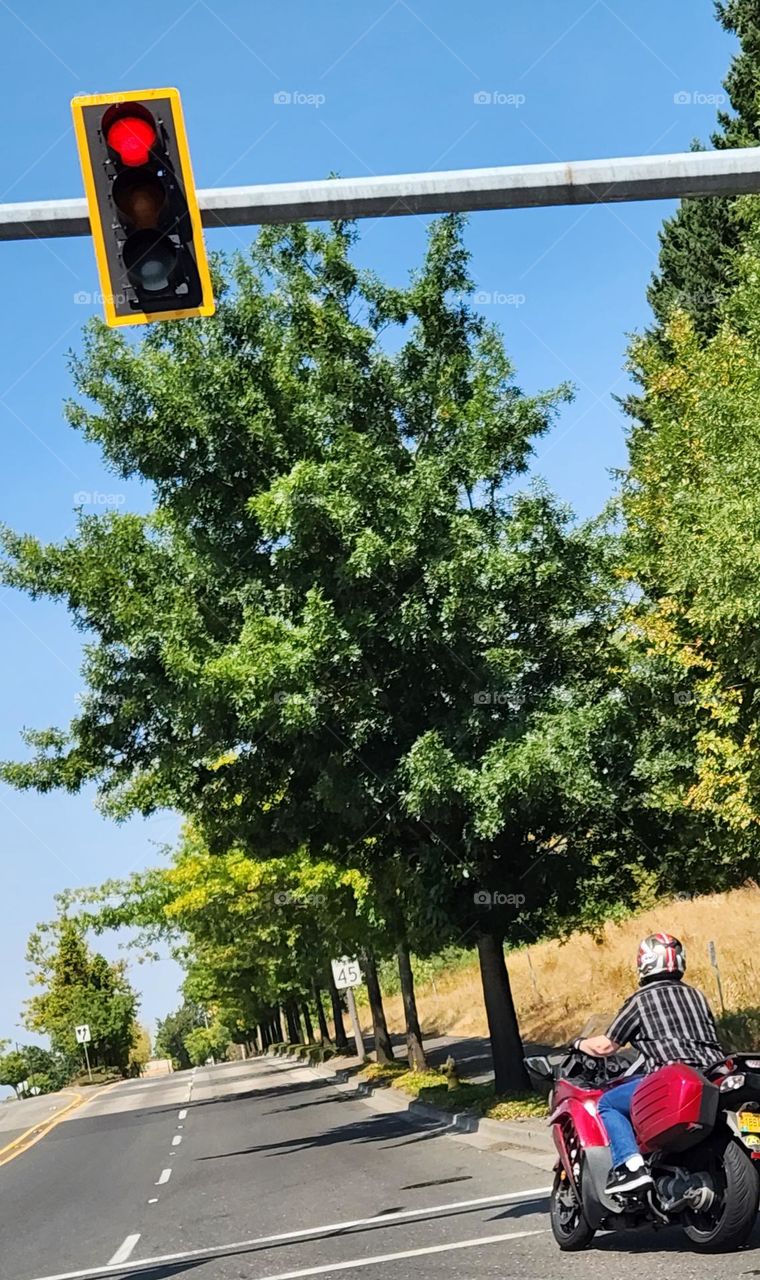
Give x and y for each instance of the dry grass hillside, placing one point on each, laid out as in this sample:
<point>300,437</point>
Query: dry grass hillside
<point>557,986</point>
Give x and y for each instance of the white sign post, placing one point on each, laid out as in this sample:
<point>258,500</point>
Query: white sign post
<point>347,974</point>
<point>83,1037</point>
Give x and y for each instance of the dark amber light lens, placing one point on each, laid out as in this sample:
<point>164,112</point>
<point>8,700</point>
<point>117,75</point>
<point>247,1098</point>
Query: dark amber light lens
<point>140,198</point>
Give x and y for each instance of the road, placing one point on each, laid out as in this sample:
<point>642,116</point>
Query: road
<point>193,1175</point>
<point>17,1118</point>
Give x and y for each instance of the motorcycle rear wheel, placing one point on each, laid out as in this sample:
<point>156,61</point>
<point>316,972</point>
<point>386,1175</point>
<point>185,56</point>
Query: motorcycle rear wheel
<point>569,1226</point>
<point>731,1226</point>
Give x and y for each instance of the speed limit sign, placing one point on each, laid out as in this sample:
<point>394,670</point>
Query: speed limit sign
<point>346,972</point>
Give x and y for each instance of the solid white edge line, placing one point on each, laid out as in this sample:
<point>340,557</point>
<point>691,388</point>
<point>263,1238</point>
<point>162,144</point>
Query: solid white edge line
<point>165,1176</point>
<point>124,1250</point>
<point>353,1263</point>
<point>176,1139</point>
<point>378,1220</point>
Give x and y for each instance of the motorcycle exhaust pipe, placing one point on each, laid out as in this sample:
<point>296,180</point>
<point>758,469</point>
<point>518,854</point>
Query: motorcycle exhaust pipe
<point>680,1191</point>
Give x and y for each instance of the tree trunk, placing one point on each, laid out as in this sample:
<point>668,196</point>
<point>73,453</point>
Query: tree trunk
<point>383,1046</point>
<point>265,1037</point>
<point>510,1075</point>
<point>293,1021</point>
<point>307,1023</point>
<point>414,1049</point>
<point>324,1030</point>
<point>341,1041</point>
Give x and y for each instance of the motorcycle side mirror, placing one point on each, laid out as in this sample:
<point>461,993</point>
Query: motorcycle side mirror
<point>541,1066</point>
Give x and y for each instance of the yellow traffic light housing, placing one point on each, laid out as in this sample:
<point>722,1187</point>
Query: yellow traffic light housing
<point>144,215</point>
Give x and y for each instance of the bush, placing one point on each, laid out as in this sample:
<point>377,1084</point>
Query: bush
<point>321,1053</point>
<point>739,1030</point>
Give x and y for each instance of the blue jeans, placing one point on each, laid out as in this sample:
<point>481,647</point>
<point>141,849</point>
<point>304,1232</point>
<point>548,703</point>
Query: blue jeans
<point>615,1110</point>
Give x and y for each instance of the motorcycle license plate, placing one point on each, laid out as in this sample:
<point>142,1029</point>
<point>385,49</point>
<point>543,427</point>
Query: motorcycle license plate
<point>749,1121</point>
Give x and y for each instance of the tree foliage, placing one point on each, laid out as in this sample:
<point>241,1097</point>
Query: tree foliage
<point>694,513</point>
<point>172,1033</point>
<point>80,986</point>
<point>342,631</point>
<point>698,245</point>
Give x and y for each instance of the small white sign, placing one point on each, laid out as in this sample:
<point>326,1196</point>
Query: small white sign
<point>83,1034</point>
<point>346,972</point>
<point>712,953</point>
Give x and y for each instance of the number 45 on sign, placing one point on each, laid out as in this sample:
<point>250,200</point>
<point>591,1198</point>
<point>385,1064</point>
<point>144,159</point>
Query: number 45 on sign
<point>346,972</point>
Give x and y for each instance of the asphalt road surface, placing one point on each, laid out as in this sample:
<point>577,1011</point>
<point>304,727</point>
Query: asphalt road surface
<point>257,1171</point>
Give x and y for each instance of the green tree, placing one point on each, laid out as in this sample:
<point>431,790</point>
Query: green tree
<point>13,1069</point>
<point>698,245</point>
<point>208,1042</point>
<point>693,514</point>
<point>297,648</point>
<point>172,1032</point>
<point>48,1070</point>
<point>251,933</point>
<point>80,987</point>
<point>141,1049</point>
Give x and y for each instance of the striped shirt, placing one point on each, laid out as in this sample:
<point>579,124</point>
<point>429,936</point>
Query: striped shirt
<point>668,1021</point>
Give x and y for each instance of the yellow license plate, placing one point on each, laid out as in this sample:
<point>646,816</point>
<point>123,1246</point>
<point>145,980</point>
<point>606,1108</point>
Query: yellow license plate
<point>749,1121</point>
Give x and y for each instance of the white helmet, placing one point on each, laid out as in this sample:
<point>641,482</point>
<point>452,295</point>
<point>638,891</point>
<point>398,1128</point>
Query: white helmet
<point>660,953</point>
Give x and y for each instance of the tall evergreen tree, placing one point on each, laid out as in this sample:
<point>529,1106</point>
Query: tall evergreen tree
<point>698,244</point>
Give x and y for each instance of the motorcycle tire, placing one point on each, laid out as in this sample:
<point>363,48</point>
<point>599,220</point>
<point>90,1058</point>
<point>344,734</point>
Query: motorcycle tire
<point>572,1233</point>
<point>738,1213</point>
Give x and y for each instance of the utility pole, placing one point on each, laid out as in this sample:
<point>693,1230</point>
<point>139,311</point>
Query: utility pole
<point>358,1037</point>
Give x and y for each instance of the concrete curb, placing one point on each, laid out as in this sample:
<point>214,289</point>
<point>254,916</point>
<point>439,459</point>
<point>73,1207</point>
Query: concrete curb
<point>528,1141</point>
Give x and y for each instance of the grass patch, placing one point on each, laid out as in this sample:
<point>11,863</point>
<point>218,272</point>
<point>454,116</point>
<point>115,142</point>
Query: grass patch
<point>383,1073</point>
<point>479,1099</point>
<point>739,1030</point>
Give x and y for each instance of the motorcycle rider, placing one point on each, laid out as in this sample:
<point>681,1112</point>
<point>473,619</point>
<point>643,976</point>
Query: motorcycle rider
<point>665,1021</point>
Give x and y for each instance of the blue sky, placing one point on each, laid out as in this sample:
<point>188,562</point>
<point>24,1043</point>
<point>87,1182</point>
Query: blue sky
<point>392,87</point>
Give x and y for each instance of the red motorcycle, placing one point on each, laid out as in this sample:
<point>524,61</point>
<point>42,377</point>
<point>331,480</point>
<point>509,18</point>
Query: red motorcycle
<point>699,1134</point>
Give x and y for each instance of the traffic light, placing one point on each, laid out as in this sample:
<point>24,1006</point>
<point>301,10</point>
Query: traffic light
<point>144,214</point>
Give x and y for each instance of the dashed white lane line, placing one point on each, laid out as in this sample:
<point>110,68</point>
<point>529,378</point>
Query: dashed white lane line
<point>183,1114</point>
<point>124,1250</point>
<point>165,1176</point>
<point>154,1200</point>
<point>176,1139</point>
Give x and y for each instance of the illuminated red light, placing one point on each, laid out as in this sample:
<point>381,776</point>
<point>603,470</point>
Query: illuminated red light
<point>132,137</point>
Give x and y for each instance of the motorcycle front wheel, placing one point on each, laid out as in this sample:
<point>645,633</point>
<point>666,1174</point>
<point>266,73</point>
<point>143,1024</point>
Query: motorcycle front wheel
<point>569,1226</point>
<point>728,1224</point>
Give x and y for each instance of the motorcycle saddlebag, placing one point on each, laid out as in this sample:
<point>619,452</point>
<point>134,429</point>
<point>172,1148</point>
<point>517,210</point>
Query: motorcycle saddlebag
<point>673,1108</point>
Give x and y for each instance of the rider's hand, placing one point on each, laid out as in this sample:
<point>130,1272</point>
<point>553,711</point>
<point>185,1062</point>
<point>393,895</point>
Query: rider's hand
<point>598,1046</point>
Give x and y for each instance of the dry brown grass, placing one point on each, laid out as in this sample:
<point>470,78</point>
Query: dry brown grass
<point>572,981</point>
